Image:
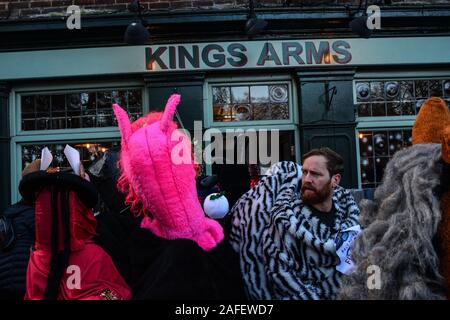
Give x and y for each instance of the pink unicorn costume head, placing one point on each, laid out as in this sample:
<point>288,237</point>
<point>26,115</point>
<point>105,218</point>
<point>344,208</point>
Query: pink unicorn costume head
<point>157,184</point>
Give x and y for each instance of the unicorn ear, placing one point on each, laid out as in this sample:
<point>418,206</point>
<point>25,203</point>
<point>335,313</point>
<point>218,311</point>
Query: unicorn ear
<point>124,123</point>
<point>169,111</point>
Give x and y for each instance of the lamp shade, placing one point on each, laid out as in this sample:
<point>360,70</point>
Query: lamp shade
<point>359,27</point>
<point>255,26</point>
<point>136,34</point>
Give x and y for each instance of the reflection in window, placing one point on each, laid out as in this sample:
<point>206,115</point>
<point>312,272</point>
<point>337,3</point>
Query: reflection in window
<point>376,148</point>
<point>250,103</point>
<point>89,152</point>
<point>397,98</point>
<point>86,109</point>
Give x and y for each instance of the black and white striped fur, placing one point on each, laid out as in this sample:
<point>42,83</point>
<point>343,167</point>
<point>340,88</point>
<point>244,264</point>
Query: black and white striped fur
<point>285,253</point>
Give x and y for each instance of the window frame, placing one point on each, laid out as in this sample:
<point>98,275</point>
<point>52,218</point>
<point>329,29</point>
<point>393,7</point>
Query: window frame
<point>248,81</point>
<point>69,135</point>
<point>387,123</point>
<point>290,124</point>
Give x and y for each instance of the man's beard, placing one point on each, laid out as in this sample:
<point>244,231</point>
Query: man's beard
<point>315,196</point>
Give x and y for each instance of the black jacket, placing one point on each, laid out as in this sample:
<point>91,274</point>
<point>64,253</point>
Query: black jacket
<point>14,258</point>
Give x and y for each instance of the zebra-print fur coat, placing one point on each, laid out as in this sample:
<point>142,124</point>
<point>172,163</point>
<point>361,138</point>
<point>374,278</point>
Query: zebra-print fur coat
<point>285,252</point>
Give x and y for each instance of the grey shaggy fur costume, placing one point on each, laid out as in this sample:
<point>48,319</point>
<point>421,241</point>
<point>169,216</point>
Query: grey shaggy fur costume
<point>399,228</point>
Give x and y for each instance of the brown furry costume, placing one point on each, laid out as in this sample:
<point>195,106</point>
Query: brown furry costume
<point>433,126</point>
<point>405,216</point>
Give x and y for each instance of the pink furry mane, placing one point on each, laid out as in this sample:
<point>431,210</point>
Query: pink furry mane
<point>158,177</point>
<point>132,198</point>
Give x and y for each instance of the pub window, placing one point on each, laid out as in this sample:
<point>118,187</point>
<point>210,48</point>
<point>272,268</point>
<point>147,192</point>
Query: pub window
<point>397,97</point>
<point>80,109</point>
<point>261,103</point>
<point>377,147</point>
<point>82,118</point>
<point>386,111</point>
<point>251,102</point>
<point>90,151</point>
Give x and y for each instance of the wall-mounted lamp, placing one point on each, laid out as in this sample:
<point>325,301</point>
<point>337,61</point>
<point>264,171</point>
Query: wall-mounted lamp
<point>359,24</point>
<point>254,25</point>
<point>136,33</point>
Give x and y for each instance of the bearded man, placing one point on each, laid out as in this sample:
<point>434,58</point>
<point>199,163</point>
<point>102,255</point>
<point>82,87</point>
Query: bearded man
<point>293,230</point>
<point>321,173</point>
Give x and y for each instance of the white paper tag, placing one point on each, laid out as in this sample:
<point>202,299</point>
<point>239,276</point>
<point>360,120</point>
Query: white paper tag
<point>73,156</point>
<point>344,241</point>
<point>46,159</point>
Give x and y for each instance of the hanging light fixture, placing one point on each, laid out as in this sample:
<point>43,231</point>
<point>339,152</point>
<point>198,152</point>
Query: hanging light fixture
<point>359,24</point>
<point>254,25</point>
<point>136,33</point>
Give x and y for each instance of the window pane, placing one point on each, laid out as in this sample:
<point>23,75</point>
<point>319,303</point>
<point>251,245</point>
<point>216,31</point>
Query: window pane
<point>362,91</point>
<point>406,91</point>
<point>73,104</point>
<point>394,109</point>
<point>28,125</point>
<point>446,87</point>
<point>58,104</point>
<point>239,94</point>
<point>377,91</point>
<point>88,120</point>
<point>58,123</point>
<point>222,113</point>
<point>419,104</point>
<point>364,110</point>
<point>367,170</point>
<point>259,94</point>
<point>278,93</point>
<point>395,142</point>
<point>104,100</point>
<point>84,109</point>
<point>104,118</point>
<point>380,143</point>
<point>74,122</point>
<point>435,88</point>
<point>373,160</point>
<point>43,104</point>
<point>135,99</point>
<point>89,152</point>
<point>407,108</point>
<point>261,111</point>
<point>421,88</point>
<point>120,97</point>
<point>366,144</point>
<point>392,90</point>
<point>378,109</point>
<point>221,95</point>
<point>250,103</point>
<point>280,111</point>
<point>407,138</point>
<point>27,104</point>
<point>380,164</point>
<point>88,101</point>
<point>43,123</point>
<point>397,98</point>
<point>242,112</point>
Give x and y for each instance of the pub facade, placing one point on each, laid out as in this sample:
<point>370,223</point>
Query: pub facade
<point>306,75</point>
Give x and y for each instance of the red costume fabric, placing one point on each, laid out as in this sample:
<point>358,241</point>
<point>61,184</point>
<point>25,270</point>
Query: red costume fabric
<point>88,272</point>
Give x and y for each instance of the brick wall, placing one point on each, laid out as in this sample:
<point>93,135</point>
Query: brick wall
<point>35,8</point>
